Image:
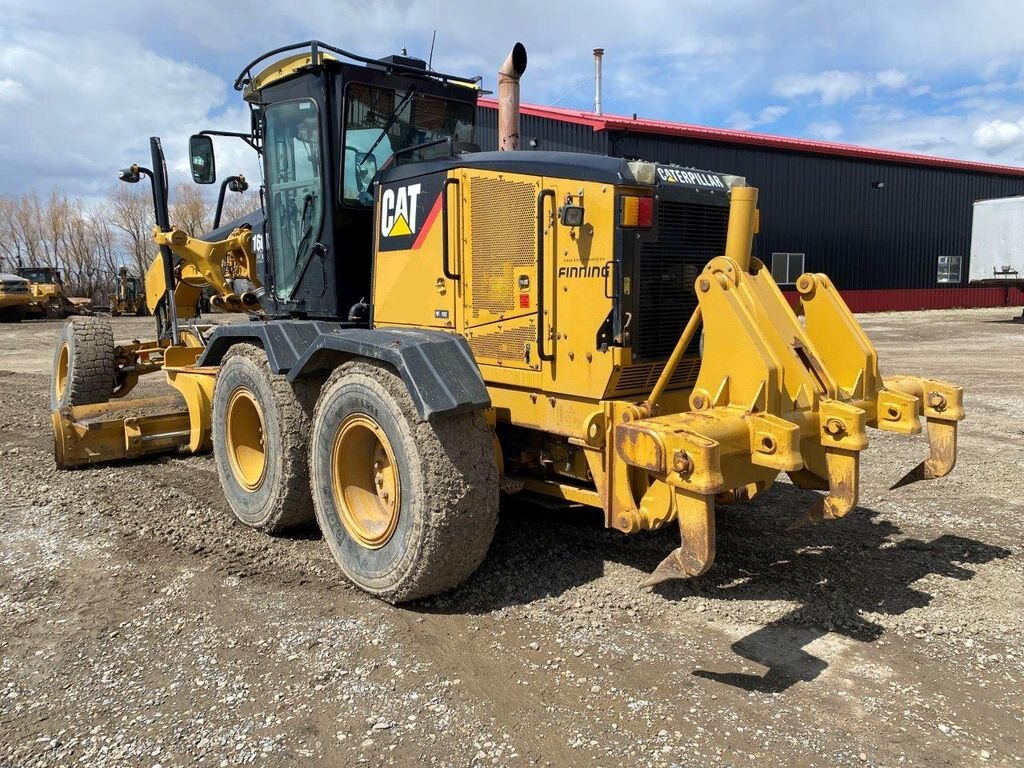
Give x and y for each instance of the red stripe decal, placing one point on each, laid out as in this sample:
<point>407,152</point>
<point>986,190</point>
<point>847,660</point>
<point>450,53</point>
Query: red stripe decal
<point>434,211</point>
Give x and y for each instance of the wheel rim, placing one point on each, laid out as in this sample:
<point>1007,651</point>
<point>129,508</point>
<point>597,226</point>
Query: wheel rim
<point>365,481</point>
<point>60,384</point>
<point>247,452</point>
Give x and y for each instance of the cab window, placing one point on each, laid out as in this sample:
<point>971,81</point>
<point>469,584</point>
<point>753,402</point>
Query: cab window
<point>292,151</point>
<point>381,121</point>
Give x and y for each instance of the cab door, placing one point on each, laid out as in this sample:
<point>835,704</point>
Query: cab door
<point>296,190</point>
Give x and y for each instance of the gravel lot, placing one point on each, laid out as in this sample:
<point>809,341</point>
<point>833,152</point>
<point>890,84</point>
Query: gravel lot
<point>141,625</point>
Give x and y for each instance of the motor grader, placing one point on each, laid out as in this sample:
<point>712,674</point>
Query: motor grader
<point>431,325</point>
<point>128,297</point>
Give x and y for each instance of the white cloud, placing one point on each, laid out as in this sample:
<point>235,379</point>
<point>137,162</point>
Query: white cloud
<point>83,84</point>
<point>11,90</point>
<point>876,113</point>
<point>830,87</point>
<point>940,135</point>
<point>997,135</point>
<point>81,117</point>
<point>744,121</point>
<point>828,130</point>
<point>892,79</point>
<point>835,86</point>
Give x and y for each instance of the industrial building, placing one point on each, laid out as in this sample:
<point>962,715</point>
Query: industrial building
<point>891,229</point>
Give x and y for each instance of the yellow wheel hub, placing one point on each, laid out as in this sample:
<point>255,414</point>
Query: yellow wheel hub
<point>365,481</point>
<point>247,452</point>
<point>60,382</point>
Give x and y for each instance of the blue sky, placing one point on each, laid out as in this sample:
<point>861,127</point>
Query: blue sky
<point>82,85</point>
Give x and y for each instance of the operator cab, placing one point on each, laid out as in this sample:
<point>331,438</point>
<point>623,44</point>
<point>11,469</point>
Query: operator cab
<point>41,275</point>
<point>325,128</point>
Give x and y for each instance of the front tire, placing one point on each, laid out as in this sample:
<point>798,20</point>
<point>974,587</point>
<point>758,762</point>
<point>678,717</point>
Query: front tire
<point>260,441</point>
<point>407,506</point>
<point>83,363</point>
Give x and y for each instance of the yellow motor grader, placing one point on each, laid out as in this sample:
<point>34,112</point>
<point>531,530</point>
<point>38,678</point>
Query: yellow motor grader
<point>128,297</point>
<point>431,325</point>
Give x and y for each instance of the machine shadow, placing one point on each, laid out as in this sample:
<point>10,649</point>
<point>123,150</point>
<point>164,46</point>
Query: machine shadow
<point>835,572</point>
<point>1012,320</point>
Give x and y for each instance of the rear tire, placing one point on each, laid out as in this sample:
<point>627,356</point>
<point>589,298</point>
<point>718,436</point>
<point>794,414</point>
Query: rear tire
<point>12,315</point>
<point>261,427</point>
<point>83,363</point>
<point>407,506</point>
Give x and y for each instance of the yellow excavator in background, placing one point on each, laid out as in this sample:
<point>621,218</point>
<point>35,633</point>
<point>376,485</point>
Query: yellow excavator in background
<point>438,324</point>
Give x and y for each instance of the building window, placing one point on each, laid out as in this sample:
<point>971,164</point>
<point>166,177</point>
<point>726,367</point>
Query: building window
<point>949,269</point>
<point>787,267</point>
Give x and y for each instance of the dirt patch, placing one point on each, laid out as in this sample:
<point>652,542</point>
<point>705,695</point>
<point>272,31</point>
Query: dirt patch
<point>141,625</point>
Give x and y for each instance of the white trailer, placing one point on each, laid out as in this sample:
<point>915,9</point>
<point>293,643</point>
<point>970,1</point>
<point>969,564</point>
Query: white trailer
<point>997,242</point>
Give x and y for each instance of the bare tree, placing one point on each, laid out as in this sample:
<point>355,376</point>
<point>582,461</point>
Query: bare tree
<point>130,212</point>
<point>237,205</point>
<point>90,244</point>
<point>190,211</point>
<point>11,247</point>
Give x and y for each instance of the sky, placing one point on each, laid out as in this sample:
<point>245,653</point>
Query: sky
<point>83,85</point>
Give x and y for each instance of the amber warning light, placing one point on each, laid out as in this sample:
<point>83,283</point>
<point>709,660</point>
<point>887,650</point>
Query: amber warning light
<point>637,212</point>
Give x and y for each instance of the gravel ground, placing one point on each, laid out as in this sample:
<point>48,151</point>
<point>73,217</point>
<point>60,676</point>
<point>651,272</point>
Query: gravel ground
<point>141,625</point>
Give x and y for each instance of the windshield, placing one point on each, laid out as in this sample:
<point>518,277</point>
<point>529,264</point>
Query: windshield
<point>39,275</point>
<point>380,122</point>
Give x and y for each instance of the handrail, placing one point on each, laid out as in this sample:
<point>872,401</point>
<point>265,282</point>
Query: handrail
<point>445,264</point>
<point>316,45</point>
<point>541,353</point>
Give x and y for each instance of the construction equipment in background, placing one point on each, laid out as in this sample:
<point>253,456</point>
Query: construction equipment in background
<point>15,298</point>
<point>439,323</point>
<point>48,297</point>
<point>128,297</point>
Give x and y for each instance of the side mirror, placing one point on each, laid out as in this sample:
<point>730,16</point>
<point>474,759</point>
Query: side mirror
<point>200,152</point>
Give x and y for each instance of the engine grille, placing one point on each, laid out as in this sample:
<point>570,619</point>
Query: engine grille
<point>642,377</point>
<point>506,343</point>
<point>689,235</point>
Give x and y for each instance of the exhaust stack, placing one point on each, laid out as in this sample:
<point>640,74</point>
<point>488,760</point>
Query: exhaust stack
<point>508,97</point>
<point>598,55</point>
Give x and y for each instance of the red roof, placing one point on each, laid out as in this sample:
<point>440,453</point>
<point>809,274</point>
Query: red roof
<point>606,122</point>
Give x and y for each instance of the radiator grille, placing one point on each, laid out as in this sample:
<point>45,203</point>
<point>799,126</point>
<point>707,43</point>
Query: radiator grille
<point>642,377</point>
<point>506,344</point>
<point>504,221</point>
<point>689,235</point>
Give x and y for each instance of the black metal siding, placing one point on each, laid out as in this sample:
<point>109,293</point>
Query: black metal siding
<point>551,135</point>
<point>827,208</point>
<point>820,205</point>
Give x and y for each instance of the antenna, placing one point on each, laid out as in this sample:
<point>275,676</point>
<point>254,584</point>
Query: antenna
<point>430,59</point>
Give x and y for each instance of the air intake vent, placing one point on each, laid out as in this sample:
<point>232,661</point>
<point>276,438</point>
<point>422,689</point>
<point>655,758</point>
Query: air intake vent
<point>504,232</point>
